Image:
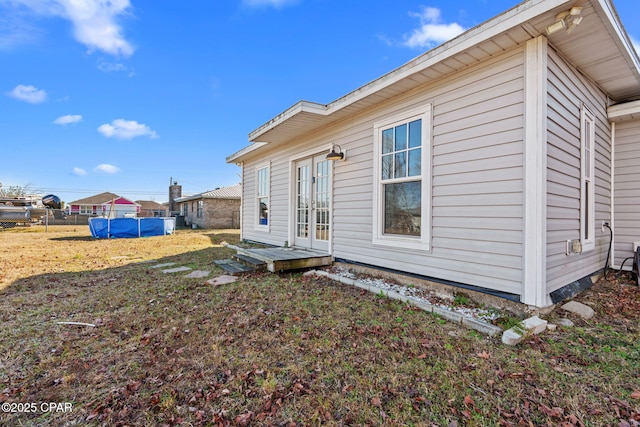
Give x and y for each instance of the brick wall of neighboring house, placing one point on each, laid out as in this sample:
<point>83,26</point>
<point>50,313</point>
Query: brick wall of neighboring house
<point>217,213</point>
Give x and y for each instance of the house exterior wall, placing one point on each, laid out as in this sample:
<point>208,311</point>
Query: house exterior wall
<point>626,220</point>
<point>216,213</point>
<point>119,210</point>
<point>567,90</point>
<point>477,180</point>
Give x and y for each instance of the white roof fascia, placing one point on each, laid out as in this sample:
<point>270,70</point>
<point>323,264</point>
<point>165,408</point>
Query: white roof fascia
<point>518,15</point>
<point>246,150</point>
<point>300,107</point>
<point>622,112</point>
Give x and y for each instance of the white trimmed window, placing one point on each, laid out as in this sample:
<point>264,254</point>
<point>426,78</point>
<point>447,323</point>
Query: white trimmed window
<point>262,197</point>
<point>402,189</point>
<point>587,175</point>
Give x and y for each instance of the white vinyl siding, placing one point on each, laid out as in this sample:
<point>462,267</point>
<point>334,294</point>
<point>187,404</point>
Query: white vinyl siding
<point>626,222</point>
<point>477,180</point>
<point>568,91</point>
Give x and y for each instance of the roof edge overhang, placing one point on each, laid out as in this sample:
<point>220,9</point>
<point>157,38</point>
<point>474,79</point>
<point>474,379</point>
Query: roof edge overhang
<point>624,112</point>
<point>608,9</point>
<point>238,155</point>
<point>516,16</point>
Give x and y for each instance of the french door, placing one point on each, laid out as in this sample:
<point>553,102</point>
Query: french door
<point>312,203</point>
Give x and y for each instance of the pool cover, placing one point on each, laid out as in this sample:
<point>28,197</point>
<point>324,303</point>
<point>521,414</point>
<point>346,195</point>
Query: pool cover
<point>113,228</point>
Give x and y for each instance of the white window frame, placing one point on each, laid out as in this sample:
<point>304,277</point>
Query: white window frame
<point>422,242</point>
<point>587,179</point>
<point>257,225</point>
<point>200,206</point>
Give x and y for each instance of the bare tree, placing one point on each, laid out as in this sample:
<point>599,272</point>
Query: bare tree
<point>14,190</point>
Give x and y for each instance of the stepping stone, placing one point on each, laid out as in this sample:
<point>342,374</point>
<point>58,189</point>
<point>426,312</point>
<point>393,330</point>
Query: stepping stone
<point>566,323</point>
<point>511,337</point>
<point>176,270</point>
<point>166,264</point>
<point>222,280</point>
<point>197,274</point>
<point>535,325</point>
<point>580,309</point>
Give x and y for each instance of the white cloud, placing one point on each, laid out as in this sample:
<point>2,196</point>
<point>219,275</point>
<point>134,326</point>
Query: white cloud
<point>94,21</point>
<point>79,171</point>
<point>273,3</point>
<point>126,129</point>
<point>68,119</point>
<point>107,168</point>
<point>431,31</point>
<point>28,94</point>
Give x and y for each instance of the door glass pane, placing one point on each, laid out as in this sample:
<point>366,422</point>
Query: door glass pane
<point>403,208</point>
<point>302,202</point>
<point>322,197</point>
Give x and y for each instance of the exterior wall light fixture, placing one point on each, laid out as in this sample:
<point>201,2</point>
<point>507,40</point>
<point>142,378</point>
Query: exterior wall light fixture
<point>336,155</point>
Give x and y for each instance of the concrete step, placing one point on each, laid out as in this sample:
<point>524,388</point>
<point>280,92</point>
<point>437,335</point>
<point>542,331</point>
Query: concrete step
<point>256,264</point>
<point>234,267</point>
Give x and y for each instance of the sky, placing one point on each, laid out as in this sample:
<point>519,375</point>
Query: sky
<point>126,95</point>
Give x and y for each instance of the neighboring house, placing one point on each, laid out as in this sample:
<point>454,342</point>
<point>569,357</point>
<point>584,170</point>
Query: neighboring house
<point>149,208</point>
<point>106,204</point>
<point>219,208</point>
<point>491,161</point>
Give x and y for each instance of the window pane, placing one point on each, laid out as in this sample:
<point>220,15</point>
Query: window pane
<point>587,164</point>
<point>415,134</point>
<point>587,229</point>
<point>415,162</point>
<point>401,137</point>
<point>263,212</point>
<point>403,208</point>
<point>387,141</point>
<point>400,169</point>
<point>587,135</point>
<point>387,166</point>
<point>262,182</point>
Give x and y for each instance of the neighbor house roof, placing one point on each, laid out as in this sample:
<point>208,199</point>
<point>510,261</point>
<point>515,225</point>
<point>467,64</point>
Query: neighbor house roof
<point>231,192</point>
<point>98,199</point>
<point>599,47</point>
<point>150,205</point>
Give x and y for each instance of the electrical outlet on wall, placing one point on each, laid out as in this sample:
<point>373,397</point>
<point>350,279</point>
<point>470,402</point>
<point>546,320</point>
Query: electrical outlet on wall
<point>605,224</point>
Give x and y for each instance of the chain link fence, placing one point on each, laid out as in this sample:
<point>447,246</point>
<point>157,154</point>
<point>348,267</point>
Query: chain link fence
<point>22,218</point>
